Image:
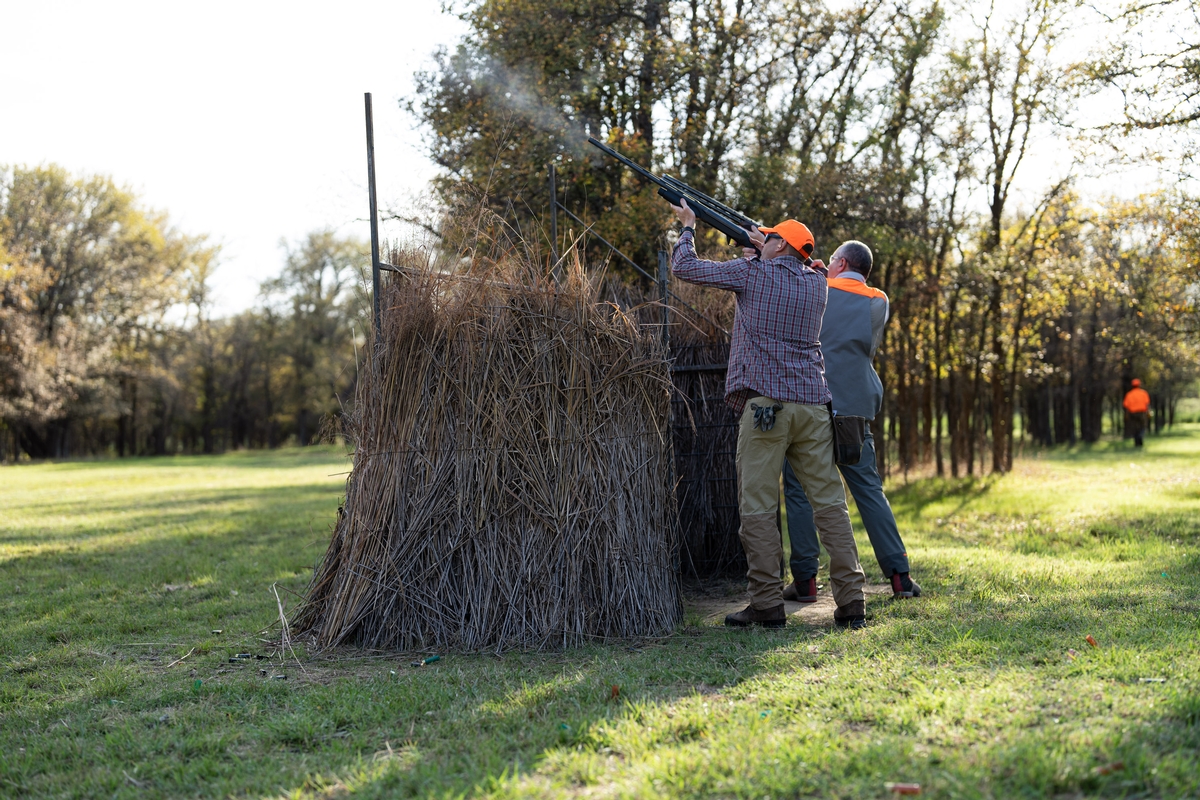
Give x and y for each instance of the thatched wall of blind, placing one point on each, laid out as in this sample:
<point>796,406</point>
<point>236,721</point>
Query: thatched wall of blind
<point>512,478</point>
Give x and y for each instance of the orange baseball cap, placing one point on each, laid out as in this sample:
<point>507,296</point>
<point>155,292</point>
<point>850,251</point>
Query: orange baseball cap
<point>796,234</point>
<point>1136,382</point>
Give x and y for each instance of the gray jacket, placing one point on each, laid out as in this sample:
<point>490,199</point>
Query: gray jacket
<point>850,334</point>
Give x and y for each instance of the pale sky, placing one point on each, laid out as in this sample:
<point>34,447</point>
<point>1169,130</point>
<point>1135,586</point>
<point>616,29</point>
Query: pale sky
<point>243,121</point>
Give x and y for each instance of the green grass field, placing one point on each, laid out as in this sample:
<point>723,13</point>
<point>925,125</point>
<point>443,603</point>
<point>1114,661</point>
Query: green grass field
<point>114,682</point>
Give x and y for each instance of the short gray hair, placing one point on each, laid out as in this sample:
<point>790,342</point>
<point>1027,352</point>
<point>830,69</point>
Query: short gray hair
<point>858,256</point>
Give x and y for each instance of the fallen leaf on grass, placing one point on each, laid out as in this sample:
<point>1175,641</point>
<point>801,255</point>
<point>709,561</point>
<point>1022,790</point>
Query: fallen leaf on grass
<point>903,788</point>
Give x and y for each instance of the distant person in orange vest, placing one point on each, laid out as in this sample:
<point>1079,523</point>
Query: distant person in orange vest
<point>1137,404</point>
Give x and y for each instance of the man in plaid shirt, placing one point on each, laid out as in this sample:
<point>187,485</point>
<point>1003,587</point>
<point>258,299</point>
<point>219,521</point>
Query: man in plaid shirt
<point>776,383</point>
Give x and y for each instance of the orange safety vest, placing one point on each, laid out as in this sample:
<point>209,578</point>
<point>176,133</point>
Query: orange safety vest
<point>855,287</point>
<point>1137,401</point>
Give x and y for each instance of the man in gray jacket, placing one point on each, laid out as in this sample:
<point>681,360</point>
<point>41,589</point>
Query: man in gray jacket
<point>850,334</point>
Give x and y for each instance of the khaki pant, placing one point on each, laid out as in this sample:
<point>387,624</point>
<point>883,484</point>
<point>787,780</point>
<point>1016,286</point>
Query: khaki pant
<point>804,436</point>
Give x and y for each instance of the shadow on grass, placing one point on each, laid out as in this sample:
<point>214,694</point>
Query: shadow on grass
<point>481,721</point>
<point>1114,538</point>
<point>279,458</point>
<point>909,500</point>
<point>86,695</point>
<point>176,566</point>
<point>1157,446</point>
<point>180,509</point>
<point>463,723</point>
<point>1174,527</point>
<point>910,699</point>
<point>906,700</point>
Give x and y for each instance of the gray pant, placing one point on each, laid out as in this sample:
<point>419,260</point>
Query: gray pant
<point>867,490</point>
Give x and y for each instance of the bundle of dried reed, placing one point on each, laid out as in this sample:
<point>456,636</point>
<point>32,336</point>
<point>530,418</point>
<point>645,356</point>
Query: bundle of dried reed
<point>705,430</point>
<point>705,435</point>
<point>512,478</point>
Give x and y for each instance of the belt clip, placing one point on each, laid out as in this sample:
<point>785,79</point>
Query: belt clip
<point>764,416</point>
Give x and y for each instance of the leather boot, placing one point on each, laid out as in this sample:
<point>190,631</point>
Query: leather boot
<point>904,586</point>
<point>774,617</point>
<point>801,591</point>
<point>853,615</point>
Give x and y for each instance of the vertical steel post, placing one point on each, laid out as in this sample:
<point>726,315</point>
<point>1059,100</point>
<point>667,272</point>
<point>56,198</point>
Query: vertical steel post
<point>374,220</point>
<point>553,221</point>
<point>664,277</point>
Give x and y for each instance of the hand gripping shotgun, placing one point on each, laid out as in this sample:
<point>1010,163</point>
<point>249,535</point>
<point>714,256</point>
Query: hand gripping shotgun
<point>708,210</point>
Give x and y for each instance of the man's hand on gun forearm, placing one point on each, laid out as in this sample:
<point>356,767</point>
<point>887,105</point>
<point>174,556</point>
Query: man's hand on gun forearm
<point>687,217</point>
<point>757,238</point>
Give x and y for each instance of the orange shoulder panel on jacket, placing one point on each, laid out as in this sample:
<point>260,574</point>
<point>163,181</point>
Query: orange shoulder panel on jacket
<point>855,287</point>
<point>1137,401</point>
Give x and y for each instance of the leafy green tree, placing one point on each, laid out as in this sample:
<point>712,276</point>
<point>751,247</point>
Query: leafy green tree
<point>315,300</point>
<point>105,273</point>
<point>1149,65</point>
<point>904,124</point>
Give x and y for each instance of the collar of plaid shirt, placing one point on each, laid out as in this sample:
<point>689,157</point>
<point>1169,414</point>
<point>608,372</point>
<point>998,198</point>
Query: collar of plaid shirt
<point>776,348</point>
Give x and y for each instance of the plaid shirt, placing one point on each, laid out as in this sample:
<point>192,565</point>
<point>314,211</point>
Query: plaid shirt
<point>776,351</point>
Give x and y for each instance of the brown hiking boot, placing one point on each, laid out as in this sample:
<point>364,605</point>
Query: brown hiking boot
<point>773,617</point>
<point>853,615</point>
<point>801,591</point>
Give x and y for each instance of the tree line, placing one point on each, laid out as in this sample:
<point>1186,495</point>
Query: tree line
<point>109,345</point>
<point>1021,309</point>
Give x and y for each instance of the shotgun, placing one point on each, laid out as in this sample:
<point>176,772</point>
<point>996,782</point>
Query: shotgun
<point>708,210</point>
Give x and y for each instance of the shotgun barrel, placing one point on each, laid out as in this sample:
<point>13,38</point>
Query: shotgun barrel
<point>712,202</point>
<point>708,210</point>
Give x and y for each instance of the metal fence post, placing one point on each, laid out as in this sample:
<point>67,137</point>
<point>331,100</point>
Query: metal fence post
<point>664,277</point>
<point>664,295</point>
<point>553,221</point>
<point>374,220</point>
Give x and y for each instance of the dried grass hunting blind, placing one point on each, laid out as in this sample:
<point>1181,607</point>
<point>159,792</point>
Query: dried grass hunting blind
<point>705,429</point>
<point>512,478</point>
<point>705,437</point>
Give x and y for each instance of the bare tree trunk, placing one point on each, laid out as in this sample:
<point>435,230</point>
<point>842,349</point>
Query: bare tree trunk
<point>643,121</point>
<point>939,407</point>
<point>122,419</point>
<point>972,433</point>
<point>905,407</point>
<point>927,414</point>
<point>953,423</point>
<point>977,423</point>
<point>1011,377</point>
<point>1091,395</point>
<point>1000,404</point>
<point>133,418</point>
